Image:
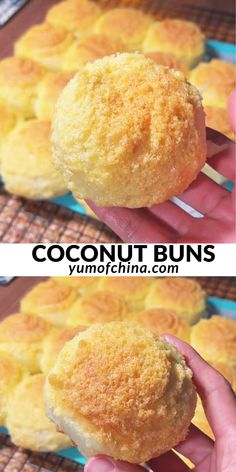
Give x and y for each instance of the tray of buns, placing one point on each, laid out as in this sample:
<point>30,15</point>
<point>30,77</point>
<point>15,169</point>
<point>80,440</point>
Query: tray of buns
<point>47,56</point>
<point>55,310</point>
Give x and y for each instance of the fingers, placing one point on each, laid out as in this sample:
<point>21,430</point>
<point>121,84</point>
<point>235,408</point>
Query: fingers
<point>102,463</point>
<point>224,160</point>
<point>168,462</point>
<point>133,226</point>
<point>231,109</point>
<point>197,446</point>
<point>217,396</point>
<point>177,219</point>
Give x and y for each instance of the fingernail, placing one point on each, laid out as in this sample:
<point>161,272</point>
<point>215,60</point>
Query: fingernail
<point>99,464</point>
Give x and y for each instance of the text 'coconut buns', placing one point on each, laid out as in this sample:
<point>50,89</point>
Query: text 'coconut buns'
<point>183,39</point>
<point>162,321</point>
<point>50,301</point>
<point>48,92</point>
<point>215,339</point>
<point>127,24</point>
<point>76,16</point>
<point>98,307</point>
<point>132,289</point>
<point>127,132</point>
<point>215,80</point>
<point>218,118</point>
<point>11,373</point>
<point>22,335</point>
<point>117,389</point>
<point>90,48</point>
<point>19,78</point>
<point>27,167</point>
<point>168,60</point>
<point>45,44</point>
<point>184,296</point>
<point>27,422</point>
<point>53,344</point>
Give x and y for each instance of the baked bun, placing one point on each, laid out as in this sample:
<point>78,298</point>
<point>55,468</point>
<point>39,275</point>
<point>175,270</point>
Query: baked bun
<point>215,340</point>
<point>22,336</point>
<point>218,119</point>
<point>98,307</point>
<point>117,389</point>
<point>81,284</point>
<point>19,78</point>
<point>51,301</point>
<point>161,321</point>
<point>27,167</point>
<point>127,24</point>
<point>53,344</point>
<point>129,133</point>
<point>184,296</point>
<point>45,44</point>
<point>215,80</point>
<point>74,16</point>
<point>89,49</point>
<point>181,38</point>
<point>168,60</point>
<point>11,373</point>
<point>27,422</point>
<point>132,289</point>
<point>9,118</point>
<point>48,93</point>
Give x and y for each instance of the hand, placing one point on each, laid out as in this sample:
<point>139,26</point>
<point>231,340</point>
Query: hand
<point>207,456</point>
<point>167,223</point>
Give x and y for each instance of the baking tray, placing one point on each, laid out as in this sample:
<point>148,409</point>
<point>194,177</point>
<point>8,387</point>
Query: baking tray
<point>215,305</point>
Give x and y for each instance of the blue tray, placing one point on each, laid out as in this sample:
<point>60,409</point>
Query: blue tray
<point>215,305</point>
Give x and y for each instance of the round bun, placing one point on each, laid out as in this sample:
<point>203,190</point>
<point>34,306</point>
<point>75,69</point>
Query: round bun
<point>218,119</point>
<point>215,80</point>
<point>51,301</point>
<point>19,78</point>
<point>168,60</point>
<point>184,296</point>
<point>117,389</point>
<point>161,321</point>
<point>147,123</point>
<point>81,284</point>
<point>11,373</point>
<point>48,93</point>
<point>127,24</point>
<point>53,344</point>
<point>35,177</point>
<point>45,44</point>
<point>27,422</point>
<point>9,118</point>
<point>132,289</point>
<point>22,336</point>
<point>98,307</point>
<point>73,15</point>
<point>89,49</point>
<point>215,339</point>
<point>228,373</point>
<point>183,39</point>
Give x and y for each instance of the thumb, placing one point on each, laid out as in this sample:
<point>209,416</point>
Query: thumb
<point>107,464</point>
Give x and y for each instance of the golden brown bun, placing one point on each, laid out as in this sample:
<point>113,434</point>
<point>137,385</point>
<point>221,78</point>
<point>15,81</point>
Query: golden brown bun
<point>181,38</point>
<point>227,371</point>
<point>81,284</point>
<point>218,118</point>
<point>76,16</point>
<point>161,321</point>
<point>215,80</point>
<point>184,296</point>
<point>9,118</point>
<point>89,49</point>
<point>27,167</point>
<point>127,24</point>
<point>11,373</point>
<point>53,344</point>
<point>19,78</point>
<point>22,336</point>
<point>45,44</point>
<point>168,60</point>
<point>127,132</point>
<point>48,93</point>
<point>27,422</point>
<point>132,289</point>
<point>117,389</point>
<point>215,340</point>
<point>52,301</point>
<point>98,307</point>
